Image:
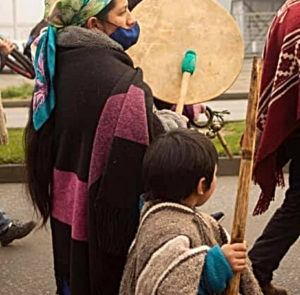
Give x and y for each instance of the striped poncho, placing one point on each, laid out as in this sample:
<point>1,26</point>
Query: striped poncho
<point>169,253</point>
<point>279,105</point>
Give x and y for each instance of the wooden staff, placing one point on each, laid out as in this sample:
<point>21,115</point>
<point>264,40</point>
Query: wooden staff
<point>245,175</point>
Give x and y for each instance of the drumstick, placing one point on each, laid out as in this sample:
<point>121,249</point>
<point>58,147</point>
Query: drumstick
<point>187,68</point>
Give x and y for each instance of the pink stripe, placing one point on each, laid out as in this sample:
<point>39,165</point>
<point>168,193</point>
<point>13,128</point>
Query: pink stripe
<point>124,115</point>
<point>133,123</point>
<point>70,202</point>
<point>104,136</point>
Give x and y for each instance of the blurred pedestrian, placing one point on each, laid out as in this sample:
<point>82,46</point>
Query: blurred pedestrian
<point>11,230</point>
<point>278,142</point>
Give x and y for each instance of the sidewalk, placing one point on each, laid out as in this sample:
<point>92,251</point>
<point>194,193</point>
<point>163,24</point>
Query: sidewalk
<point>242,84</point>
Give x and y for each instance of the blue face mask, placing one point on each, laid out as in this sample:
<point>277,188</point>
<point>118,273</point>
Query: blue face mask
<point>126,37</point>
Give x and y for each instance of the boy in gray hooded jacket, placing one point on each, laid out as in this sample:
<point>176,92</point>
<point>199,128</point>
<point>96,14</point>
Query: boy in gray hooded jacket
<point>178,249</point>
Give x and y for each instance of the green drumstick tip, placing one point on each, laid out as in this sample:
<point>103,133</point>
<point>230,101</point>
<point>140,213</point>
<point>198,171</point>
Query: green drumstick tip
<point>189,62</point>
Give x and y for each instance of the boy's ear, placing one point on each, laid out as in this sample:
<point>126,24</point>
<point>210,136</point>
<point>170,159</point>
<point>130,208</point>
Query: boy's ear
<point>201,187</point>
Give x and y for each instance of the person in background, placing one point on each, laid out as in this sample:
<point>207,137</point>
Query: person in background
<point>278,128</point>
<point>9,229</point>
<point>6,48</point>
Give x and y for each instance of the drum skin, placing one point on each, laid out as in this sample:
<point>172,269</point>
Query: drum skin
<point>168,29</point>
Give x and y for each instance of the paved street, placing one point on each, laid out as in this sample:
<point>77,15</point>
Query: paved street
<point>26,265</point>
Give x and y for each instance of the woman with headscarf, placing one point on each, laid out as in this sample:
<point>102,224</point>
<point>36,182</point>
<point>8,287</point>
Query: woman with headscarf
<point>90,123</point>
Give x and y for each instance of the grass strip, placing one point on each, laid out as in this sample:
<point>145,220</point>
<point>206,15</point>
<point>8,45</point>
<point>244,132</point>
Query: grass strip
<point>14,152</point>
<point>17,92</point>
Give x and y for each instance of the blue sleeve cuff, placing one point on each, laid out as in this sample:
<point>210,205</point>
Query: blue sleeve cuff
<point>217,271</point>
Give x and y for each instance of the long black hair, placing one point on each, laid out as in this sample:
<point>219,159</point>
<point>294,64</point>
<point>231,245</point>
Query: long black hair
<point>40,155</point>
<point>39,160</point>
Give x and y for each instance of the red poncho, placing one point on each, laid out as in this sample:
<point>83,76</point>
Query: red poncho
<point>279,106</point>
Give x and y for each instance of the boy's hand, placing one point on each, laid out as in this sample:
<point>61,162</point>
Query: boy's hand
<point>236,255</point>
<point>6,46</point>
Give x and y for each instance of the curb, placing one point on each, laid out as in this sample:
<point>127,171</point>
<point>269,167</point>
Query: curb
<point>22,103</point>
<point>228,167</point>
<point>232,96</point>
<point>12,173</point>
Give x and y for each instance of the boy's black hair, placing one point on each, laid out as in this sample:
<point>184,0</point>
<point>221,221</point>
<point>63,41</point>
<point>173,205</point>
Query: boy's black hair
<point>175,162</point>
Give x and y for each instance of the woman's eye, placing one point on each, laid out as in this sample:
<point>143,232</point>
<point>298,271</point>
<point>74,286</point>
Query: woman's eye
<point>126,11</point>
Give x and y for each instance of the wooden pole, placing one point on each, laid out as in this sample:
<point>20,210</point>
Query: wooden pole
<point>183,91</point>
<point>246,166</point>
<point>224,145</point>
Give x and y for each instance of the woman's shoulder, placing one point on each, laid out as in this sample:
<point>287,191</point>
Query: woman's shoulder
<point>99,56</point>
<point>95,64</point>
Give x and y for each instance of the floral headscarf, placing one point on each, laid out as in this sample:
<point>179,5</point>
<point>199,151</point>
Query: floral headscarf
<point>59,14</point>
<point>62,13</point>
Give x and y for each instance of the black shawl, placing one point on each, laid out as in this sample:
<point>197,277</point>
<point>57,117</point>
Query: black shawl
<point>103,122</point>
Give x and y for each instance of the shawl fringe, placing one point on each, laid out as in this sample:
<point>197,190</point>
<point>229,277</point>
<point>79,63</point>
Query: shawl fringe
<point>111,220</point>
<point>265,199</point>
